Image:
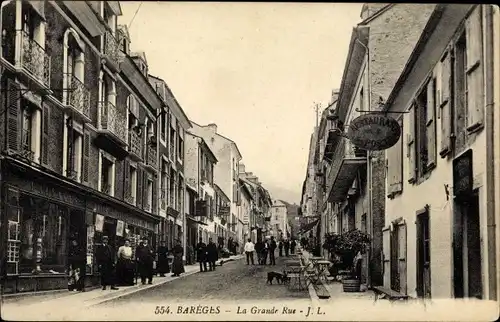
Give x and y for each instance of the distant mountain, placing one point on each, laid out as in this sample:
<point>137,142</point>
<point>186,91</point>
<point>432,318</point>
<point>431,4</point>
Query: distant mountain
<point>283,193</point>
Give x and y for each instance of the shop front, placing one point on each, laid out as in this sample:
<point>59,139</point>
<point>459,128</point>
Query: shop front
<point>42,212</point>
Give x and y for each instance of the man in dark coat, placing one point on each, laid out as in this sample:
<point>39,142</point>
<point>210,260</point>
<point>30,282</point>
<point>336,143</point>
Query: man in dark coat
<point>271,249</point>
<point>201,254</point>
<point>145,257</point>
<point>258,250</point>
<point>212,254</point>
<point>280,247</point>
<point>293,244</point>
<point>105,256</point>
<point>287,247</point>
<point>162,252</point>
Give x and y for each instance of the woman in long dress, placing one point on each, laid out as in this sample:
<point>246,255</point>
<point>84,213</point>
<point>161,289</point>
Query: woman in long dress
<point>125,265</point>
<point>77,259</point>
<point>162,253</point>
<point>177,264</point>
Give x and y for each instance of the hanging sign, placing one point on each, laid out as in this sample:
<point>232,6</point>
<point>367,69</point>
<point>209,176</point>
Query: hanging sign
<point>462,174</point>
<point>99,222</point>
<point>374,132</point>
<point>120,226</point>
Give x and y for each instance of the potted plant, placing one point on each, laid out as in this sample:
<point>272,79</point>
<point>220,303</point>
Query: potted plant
<point>346,247</point>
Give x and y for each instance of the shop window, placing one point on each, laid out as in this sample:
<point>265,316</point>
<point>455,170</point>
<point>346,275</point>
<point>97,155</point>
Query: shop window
<point>107,184</point>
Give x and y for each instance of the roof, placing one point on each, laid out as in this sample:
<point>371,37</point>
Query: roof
<point>204,143</point>
<point>247,188</point>
<point>376,14</point>
<point>226,138</point>
<point>445,14</point>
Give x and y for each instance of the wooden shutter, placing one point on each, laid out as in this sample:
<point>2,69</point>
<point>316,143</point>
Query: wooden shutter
<point>394,166</point>
<point>155,196</point>
<point>474,83</point>
<point>402,257</point>
<point>431,124</point>
<point>140,185</point>
<point>86,157</point>
<point>410,145</point>
<point>419,257</point>
<point>386,256</point>
<point>126,180</point>
<point>13,116</point>
<point>445,106</point>
<point>45,134</point>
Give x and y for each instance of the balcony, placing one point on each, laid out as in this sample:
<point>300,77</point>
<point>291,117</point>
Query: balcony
<point>34,62</point>
<point>111,51</point>
<point>78,98</point>
<point>106,188</point>
<point>346,162</point>
<point>151,157</point>
<point>111,135</point>
<point>134,145</point>
<point>332,140</point>
<point>128,197</point>
<point>72,174</point>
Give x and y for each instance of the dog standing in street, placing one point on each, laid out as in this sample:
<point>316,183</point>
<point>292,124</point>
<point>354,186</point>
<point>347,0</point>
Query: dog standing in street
<point>280,278</point>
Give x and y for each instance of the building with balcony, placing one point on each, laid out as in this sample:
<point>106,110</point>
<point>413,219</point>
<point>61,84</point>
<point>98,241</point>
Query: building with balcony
<point>225,171</point>
<point>279,220</point>
<point>171,128</point>
<point>68,164</point>
<point>199,171</point>
<point>442,171</point>
<point>222,211</point>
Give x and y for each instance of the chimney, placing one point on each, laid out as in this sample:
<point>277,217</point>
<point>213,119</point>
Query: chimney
<point>369,9</point>
<point>241,168</point>
<point>212,126</point>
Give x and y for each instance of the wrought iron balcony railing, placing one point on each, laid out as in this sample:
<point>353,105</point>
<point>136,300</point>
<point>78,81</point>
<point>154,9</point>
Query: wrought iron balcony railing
<point>111,47</point>
<point>134,142</point>
<point>106,188</point>
<point>78,95</point>
<point>152,157</point>
<point>112,121</point>
<point>345,150</point>
<point>147,206</point>
<point>163,199</point>
<point>34,58</point>
<point>71,174</point>
<point>129,198</point>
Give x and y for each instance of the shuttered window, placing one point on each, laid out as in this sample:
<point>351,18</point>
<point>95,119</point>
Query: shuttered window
<point>445,107</point>
<point>402,257</point>
<point>431,125</point>
<point>140,186</point>
<point>410,146</point>
<point>45,134</point>
<point>394,167</point>
<point>386,235</point>
<point>86,157</point>
<point>13,117</point>
<point>127,193</point>
<point>474,79</point>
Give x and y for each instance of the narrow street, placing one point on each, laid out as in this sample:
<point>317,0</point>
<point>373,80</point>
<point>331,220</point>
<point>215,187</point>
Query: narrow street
<point>232,280</point>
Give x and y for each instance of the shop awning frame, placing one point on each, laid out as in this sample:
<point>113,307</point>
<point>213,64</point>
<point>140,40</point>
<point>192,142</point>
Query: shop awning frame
<point>307,227</point>
<point>196,221</point>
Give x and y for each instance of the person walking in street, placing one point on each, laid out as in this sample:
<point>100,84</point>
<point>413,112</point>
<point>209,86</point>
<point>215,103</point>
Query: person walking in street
<point>293,244</point>
<point>201,254</point>
<point>249,249</point>
<point>258,250</point>
<point>272,249</point>
<point>106,261</point>
<point>77,262</point>
<point>280,247</point>
<point>177,264</point>
<point>265,250</point>
<point>162,253</point>
<point>287,247</point>
<point>125,265</point>
<point>212,254</point>
<point>145,258</point>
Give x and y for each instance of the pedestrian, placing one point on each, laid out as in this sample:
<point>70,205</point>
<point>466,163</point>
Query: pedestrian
<point>201,254</point>
<point>271,249</point>
<point>145,258</point>
<point>212,254</point>
<point>280,247</point>
<point>287,247</point>
<point>125,265</point>
<point>264,253</point>
<point>293,244</point>
<point>106,263</point>
<point>249,249</point>
<point>258,249</point>
<point>162,253</point>
<point>77,262</point>
<point>177,265</point>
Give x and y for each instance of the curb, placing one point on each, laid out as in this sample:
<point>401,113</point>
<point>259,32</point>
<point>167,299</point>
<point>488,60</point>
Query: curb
<point>126,292</point>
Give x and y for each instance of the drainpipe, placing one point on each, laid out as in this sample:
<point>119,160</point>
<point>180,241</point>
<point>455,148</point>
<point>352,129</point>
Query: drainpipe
<point>490,161</point>
<point>369,160</point>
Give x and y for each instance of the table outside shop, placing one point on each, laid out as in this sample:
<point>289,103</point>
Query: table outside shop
<point>321,267</point>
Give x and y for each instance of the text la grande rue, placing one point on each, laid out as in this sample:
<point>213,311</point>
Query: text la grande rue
<point>284,310</point>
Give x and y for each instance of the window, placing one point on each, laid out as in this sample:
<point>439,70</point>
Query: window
<point>28,135</point>
<point>180,195</point>
<point>74,153</point>
<point>180,155</point>
<point>107,176</point>
<point>172,190</point>
<point>76,94</point>
<point>363,224</point>
<point>133,185</point>
<point>163,126</point>
<point>173,137</point>
<point>163,184</point>
<point>148,202</point>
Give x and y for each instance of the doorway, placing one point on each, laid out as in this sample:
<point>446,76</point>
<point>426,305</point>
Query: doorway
<point>467,268</point>
<point>423,256</point>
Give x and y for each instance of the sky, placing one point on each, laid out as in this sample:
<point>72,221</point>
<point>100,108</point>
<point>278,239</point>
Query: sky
<point>254,69</point>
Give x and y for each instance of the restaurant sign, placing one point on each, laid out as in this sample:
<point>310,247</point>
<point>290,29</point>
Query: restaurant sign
<point>374,132</point>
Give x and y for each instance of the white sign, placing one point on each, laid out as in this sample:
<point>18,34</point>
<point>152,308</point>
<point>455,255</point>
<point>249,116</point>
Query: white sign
<point>120,225</point>
<point>99,222</point>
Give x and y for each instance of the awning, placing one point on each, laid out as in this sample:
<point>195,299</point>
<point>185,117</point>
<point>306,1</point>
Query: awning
<point>195,221</point>
<point>82,11</point>
<point>307,227</point>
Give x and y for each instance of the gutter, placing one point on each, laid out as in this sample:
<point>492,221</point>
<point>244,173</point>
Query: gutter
<point>490,158</point>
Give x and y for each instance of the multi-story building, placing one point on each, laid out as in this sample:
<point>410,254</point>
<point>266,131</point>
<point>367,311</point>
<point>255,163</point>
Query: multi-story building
<point>171,128</point>
<point>444,244</point>
<point>222,210</point>
<point>245,210</point>
<point>226,170</point>
<point>279,220</point>
<point>199,170</point>
<point>355,179</point>
<point>77,148</point>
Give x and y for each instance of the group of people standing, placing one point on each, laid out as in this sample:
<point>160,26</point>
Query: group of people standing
<point>265,249</point>
<point>122,268</point>
<point>207,253</point>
